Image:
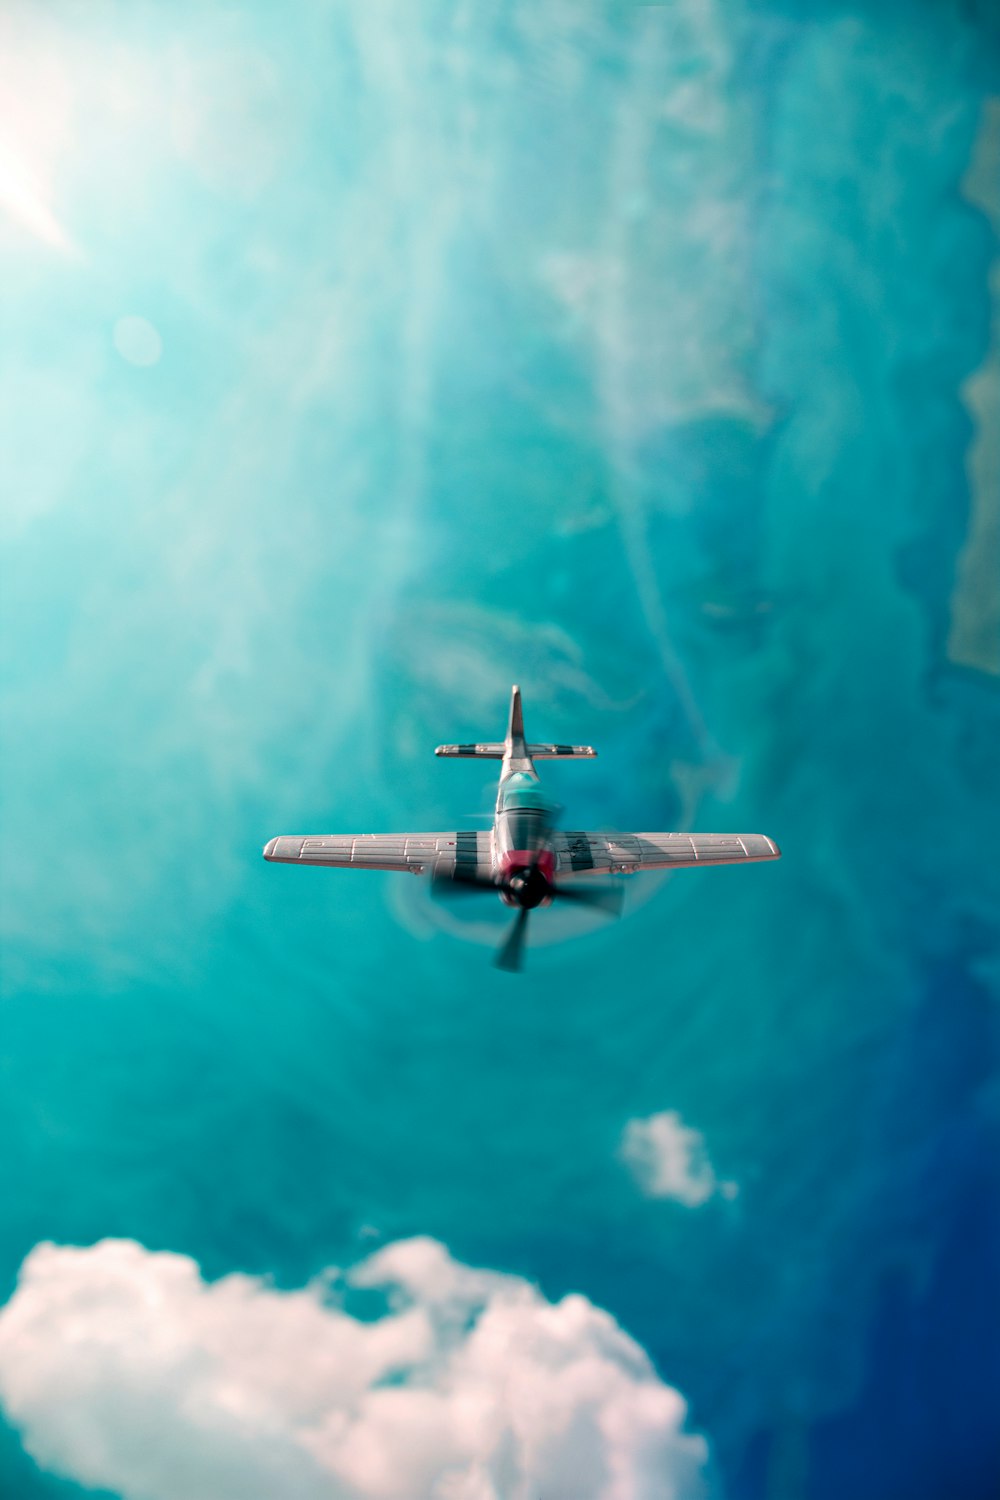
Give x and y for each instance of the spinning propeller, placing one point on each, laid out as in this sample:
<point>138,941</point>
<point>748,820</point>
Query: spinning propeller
<point>525,888</point>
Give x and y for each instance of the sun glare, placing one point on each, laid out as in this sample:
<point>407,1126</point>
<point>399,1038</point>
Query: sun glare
<point>36,126</point>
<point>23,199</point>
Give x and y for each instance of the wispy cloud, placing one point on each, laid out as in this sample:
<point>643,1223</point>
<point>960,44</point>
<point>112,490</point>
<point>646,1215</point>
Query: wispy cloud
<point>125,1370</point>
<point>669,1160</point>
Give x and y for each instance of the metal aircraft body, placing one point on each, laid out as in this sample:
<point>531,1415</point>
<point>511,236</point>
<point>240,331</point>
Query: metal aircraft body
<point>523,858</point>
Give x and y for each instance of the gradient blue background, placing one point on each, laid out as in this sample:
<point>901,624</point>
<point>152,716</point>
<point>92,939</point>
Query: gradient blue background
<point>647,356</point>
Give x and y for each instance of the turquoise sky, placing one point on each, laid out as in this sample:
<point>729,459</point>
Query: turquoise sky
<point>356,361</point>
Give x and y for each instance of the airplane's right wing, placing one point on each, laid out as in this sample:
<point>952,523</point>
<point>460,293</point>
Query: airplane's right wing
<point>581,853</point>
<point>441,853</point>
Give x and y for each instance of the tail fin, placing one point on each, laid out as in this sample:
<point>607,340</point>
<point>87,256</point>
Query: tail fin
<point>515,724</point>
<point>494,749</point>
<point>514,745</point>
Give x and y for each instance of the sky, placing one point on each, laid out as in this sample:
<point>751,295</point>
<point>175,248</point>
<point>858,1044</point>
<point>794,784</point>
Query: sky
<point>357,361</point>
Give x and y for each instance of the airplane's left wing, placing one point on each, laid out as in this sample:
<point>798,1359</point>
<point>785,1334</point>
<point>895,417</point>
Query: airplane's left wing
<point>580,853</point>
<point>442,853</point>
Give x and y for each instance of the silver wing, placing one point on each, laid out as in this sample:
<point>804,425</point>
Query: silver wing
<point>580,853</point>
<point>441,852</point>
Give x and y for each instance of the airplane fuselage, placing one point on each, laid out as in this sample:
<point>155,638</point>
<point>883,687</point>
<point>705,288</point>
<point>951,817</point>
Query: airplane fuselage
<point>523,859</point>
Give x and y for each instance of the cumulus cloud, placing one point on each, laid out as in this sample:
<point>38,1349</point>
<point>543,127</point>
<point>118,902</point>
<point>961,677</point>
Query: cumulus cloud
<point>125,1370</point>
<point>669,1160</point>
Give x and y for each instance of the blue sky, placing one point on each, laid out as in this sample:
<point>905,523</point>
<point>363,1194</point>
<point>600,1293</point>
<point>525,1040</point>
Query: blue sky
<point>358,361</point>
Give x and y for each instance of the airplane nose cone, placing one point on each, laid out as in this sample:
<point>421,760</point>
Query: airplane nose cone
<point>269,848</point>
<point>529,888</point>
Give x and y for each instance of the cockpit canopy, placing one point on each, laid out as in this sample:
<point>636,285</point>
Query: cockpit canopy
<point>521,793</point>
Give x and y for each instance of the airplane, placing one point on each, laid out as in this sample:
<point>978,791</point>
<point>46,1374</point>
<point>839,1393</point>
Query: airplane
<point>524,859</point>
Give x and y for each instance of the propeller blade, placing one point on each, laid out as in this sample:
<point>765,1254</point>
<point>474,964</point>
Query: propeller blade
<point>461,883</point>
<point>605,898</point>
<point>510,955</point>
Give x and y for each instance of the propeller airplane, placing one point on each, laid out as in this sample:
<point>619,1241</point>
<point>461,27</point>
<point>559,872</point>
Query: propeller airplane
<point>524,858</point>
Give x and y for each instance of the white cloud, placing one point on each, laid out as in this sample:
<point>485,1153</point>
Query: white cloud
<point>669,1160</point>
<point>125,1370</point>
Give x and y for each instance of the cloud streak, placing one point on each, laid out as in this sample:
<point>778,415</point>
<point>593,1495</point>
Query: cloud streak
<point>126,1370</point>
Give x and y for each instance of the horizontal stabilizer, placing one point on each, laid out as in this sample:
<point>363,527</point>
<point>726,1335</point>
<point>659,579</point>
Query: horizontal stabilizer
<point>571,752</point>
<point>492,750</point>
<point>513,750</point>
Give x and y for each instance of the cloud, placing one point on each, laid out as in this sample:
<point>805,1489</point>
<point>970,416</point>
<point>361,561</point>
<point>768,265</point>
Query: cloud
<point>125,1370</point>
<point>669,1160</point>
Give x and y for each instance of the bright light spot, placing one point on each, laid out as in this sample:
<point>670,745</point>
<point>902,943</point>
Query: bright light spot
<point>23,199</point>
<point>36,127</point>
<point>137,341</point>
